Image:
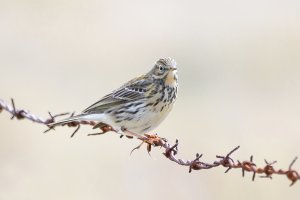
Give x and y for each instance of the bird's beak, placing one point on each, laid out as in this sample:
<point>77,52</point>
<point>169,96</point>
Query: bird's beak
<point>174,68</point>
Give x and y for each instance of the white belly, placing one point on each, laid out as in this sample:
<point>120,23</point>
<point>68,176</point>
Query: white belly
<point>149,120</point>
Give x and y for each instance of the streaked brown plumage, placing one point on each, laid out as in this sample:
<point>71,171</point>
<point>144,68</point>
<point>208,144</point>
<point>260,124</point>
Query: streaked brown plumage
<point>138,106</point>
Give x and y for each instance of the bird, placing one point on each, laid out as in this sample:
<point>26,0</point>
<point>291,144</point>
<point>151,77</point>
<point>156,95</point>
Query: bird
<point>138,106</point>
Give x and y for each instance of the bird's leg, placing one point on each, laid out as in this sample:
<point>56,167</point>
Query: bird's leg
<point>127,133</point>
<point>128,136</point>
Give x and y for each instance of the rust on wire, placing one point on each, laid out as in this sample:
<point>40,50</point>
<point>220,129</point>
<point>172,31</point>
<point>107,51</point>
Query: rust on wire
<point>196,164</point>
<point>170,151</point>
<point>173,149</point>
<point>291,174</point>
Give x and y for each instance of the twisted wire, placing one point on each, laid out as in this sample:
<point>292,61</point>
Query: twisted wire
<point>170,151</point>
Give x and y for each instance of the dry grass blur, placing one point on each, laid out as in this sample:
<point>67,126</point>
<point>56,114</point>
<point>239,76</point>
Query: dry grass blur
<point>239,68</point>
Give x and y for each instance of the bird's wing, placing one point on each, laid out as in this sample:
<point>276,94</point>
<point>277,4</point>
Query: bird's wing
<point>133,90</point>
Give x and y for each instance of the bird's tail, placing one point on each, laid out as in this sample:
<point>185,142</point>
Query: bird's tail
<point>65,121</point>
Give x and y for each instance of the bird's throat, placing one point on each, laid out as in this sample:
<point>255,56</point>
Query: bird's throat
<point>171,79</point>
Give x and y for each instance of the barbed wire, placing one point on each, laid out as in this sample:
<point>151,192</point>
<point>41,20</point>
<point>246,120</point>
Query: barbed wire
<point>170,151</point>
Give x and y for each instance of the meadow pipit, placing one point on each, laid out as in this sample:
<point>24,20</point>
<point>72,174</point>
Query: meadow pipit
<point>138,106</point>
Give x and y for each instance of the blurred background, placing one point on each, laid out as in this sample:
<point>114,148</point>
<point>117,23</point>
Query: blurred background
<point>239,68</point>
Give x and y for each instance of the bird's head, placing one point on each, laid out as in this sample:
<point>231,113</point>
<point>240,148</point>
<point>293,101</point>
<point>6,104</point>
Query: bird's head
<point>165,69</point>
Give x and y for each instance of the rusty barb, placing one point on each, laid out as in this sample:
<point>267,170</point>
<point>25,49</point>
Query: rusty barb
<point>22,114</point>
<point>170,151</point>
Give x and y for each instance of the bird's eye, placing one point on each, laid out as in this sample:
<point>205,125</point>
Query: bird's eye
<point>161,68</point>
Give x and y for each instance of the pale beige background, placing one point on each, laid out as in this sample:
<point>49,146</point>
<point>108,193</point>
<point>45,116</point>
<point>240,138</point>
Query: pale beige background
<point>239,69</point>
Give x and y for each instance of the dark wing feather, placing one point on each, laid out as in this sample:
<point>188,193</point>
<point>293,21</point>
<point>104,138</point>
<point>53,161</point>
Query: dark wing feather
<point>133,90</point>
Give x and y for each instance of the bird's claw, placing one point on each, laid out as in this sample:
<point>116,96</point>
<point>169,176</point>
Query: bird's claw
<point>150,140</point>
<point>154,139</point>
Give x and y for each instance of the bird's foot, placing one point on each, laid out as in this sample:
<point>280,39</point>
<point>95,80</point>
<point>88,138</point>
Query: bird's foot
<point>154,140</point>
<point>150,140</point>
